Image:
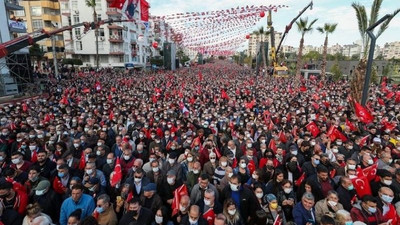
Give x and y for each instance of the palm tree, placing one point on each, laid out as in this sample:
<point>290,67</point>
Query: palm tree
<point>262,33</point>
<point>303,27</point>
<point>357,82</point>
<point>92,4</point>
<point>326,29</point>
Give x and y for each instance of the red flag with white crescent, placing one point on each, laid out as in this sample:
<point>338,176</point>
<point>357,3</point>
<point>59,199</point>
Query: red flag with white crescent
<point>178,193</point>
<point>117,175</point>
<point>361,185</point>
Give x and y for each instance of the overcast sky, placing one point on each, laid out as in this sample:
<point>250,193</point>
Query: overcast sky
<point>327,11</point>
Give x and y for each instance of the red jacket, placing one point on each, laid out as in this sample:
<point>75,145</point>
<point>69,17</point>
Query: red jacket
<point>391,215</point>
<point>359,214</point>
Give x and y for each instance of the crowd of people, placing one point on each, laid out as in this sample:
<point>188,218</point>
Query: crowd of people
<point>211,144</point>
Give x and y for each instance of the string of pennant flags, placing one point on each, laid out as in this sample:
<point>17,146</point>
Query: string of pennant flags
<point>219,31</point>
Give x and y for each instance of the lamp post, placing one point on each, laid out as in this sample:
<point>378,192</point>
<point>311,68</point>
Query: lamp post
<point>371,57</point>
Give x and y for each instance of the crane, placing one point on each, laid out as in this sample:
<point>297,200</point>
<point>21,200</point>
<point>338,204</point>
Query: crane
<point>281,70</point>
<point>31,38</point>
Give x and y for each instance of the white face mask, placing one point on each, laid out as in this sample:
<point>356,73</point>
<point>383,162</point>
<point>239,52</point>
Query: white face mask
<point>192,221</point>
<point>243,165</point>
<point>332,203</point>
<point>335,150</point>
<point>287,190</point>
<point>259,195</point>
<point>232,212</point>
<point>89,171</point>
<point>98,153</point>
<point>234,187</point>
<point>196,171</point>
<point>170,180</point>
<point>127,157</point>
<point>39,192</point>
<point>255,176</point>
<point>224,164</point>
<point>182,208</point>
<point>155,169</point>
<point>76,145</point>
<point>249,145</point>
<point>207,202</point>
<point>32,147</point>
<point>352,167</point>
<point>16,161</point>
<point>212,160</point>
<point>230,175</point>
<point>190,159</point>
<point>109,161</point>
<point>171,161</point>
<point>352,176</point>
<point>387,182</point>
<point>370,161</point>
<point>159,219</point>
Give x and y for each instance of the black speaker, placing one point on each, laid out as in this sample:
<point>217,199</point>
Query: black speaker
<point>167,55</point>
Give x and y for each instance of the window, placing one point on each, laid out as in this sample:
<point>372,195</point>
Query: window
<point>37,24</point>
<point>77,32</point>
<point>64,5</point>
<point>69,21</point>
<point>74,4</point>
<point>76,19</point>
<point>19,13</point>
<point>101,32</point>
<point>98,5</point>
<point>98,17</point>
<point>36,11</point>
<point>121,58</point>
<point>78,45</point>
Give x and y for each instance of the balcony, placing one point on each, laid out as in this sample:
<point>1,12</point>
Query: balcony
<point>50,4</point>
<point>113,12</point>
<point>66,12</point>
<point>57,44</point>
<point>13,5</point>
<point>116,51</point>
<point>115,26</point>
<point>116,39</point>
<point>54,18</point>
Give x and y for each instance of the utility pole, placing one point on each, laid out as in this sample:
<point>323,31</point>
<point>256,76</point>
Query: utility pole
<point>53,43</point>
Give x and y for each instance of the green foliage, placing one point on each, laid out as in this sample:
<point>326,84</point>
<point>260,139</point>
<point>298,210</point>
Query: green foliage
<point>157,61</point>
<point>221,57</point>
<point>312,55</point>
<point>374,75</point>
<point>36,51</point>
<point>337,73</point>
<point>72,61</point>
<point>304,27</point>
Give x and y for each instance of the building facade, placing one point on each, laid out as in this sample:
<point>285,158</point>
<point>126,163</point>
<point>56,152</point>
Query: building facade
<point>119,43</point>
<point>255,39</point>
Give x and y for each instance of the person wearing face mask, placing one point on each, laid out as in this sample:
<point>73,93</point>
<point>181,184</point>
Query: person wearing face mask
<point>18,163</point>
<point>242,196</point>
<point>137,182</point>
<point>172,164</point>
<point>384,161</point>
<point>242,170</point>
<point>161,217</point>
<point>385,180</point>
<point>357,156</point>
<point>310,168</point>
<point>91,172</point>
<point>272,210</point>
<point>34,178</point>
<point>150,199</point>
<point>328,206</point>
<point>232,213</point>
<point>294,152</point>
<point>367,211</point>
<point>210,166</point>
<point>209,206</point>
<point>104,212</point>
<point>49,201</point>
<point>194,217</point>
<point>203,184</point>
<point>192,176</point>
<point>384,204</point>
<point>346,192</point>
<point>287,199</point>
<point>219,172</point>
<point>136,214</point>
<point>225,180</point>
<point>13,199</point>
<point>127,159</point>
<point>92,188</point>
<point>169,184</point>
<point>274,185</point>
<point>184,205</point>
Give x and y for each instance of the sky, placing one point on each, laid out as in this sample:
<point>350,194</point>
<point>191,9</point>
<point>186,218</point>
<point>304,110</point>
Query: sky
<point>326,11</point>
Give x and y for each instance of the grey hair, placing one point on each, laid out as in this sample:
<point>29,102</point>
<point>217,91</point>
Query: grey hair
<point>308,196</point>
<point>210,191</point>
<point>105,198</point>
<point>342,214</point>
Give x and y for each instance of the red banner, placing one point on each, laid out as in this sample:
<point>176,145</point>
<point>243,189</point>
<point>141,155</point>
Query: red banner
<point>144,10</point>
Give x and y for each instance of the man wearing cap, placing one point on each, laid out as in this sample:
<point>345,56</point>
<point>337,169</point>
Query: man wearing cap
<point>172,164</point>
<point>49,201</point>
<point>150,199</point>
<point>168,186</point>
<point>93,188</point>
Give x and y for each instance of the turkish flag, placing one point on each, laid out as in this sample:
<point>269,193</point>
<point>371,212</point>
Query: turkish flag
<point>224,95</point>
<point>64,100</point>
<point>278,220</point>
<point>82,162</point>
<point>117,174</point>
<point>312,127</point>
<point>209,216</point>
<point>315,105</point>
<point>303,89</point>
<point>397,99</point>
<point>333,133</point>
<point>200,75</point>
<point>361,185</point>
<point>282,137</point>
<point>380,101</point>
<point>350,125</point>
<point>370,172</point>
<point>86,90</point>
<point>332,173</point>
<point>363,141</point>
<point>111,116</point>
<point>272,145</point>
<point>24,107</point>
<point>390,95</point>
<point>117,4</point>
<point>178,193</point>
<point>251,166</point>
<point>300,180</point>
<point>363,114</point>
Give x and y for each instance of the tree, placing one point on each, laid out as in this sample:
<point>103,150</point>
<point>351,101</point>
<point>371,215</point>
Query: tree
<point>312,56</point>
<point>72,61</point>
<point>335,70</point>
<point>260,40</point>
<point>36,53</point>
<point>92,4</point>
<point>303,27</point>
<point>326,29</point>
<point>364,22</point>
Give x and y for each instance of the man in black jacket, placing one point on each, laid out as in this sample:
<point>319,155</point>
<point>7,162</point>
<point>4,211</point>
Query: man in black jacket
<point>321,183</point>
<point>194,217</point>
<point>346,192</point>
<point>242,196</point>
<point>49,201</point>
<point>136,214</point>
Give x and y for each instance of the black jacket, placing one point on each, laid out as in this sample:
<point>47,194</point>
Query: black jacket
<point>247,199</point>
<point>185,221</point>
<point>145,218</point>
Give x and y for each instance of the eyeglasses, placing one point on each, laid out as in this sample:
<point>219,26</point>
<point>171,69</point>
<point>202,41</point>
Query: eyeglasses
<point>212,158</point>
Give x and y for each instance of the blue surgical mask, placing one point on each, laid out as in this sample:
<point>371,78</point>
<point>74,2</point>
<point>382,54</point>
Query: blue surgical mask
<point>350,188</point>
<point>60,174</point>
<point>316,161</point>
<point>387,198</point>
<point>372,209</point>
<point>99,209</point>
<point>348,223</point>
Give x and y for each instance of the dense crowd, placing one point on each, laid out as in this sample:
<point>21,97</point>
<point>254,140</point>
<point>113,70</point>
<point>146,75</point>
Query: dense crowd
<point>211,144</point>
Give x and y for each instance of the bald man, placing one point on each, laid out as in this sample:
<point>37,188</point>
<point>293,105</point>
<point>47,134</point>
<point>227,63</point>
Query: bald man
<point>194,218</point>
<point>184,206</point>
